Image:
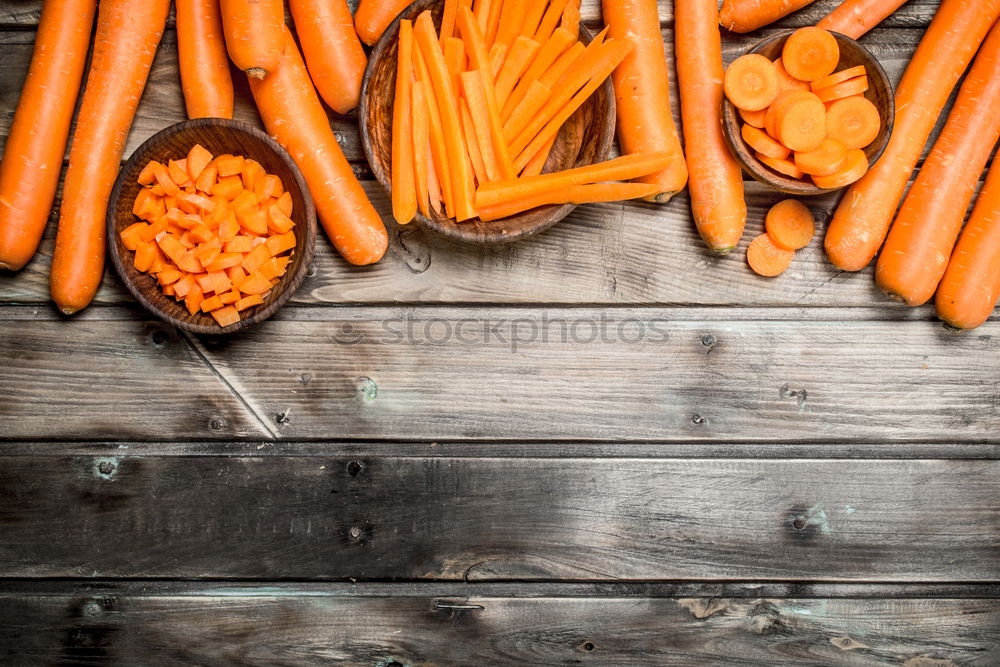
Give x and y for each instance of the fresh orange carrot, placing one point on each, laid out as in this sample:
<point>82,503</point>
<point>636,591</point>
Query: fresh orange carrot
<point>439,153</point>
<point>128,33</point>
<point>790,224</point>
<point>574,194</point>
<point>448,15</point>
<point>548,52</point>
<point>864,215</point>
<point>785,80</point>
<point>748,15</point>
<point>36,142</point>
<point>538,94</point>
<point>571,15</point>
<point>253,30</point>
<point>497,55</point>
<point>856,17</point>
<point>971,285</point>
<point>916,251</point>
<point>433,188</point>
<point>550,22</point>
<point>751,82</point>
<point>766,258</point>
<point>204,65</point>
<point>292,113</point>
<point>421,146</point>
<point>854,121</point>
<point>482,9</point>
<point>374,16</point>
<point>715,180</point>
<point>471,143</point>
<point>518,58</point>
<point>828,159</point>
<point>475,96</point>
<point>849,88</point>
<point>759,141</point>
<point>801,124</point>
<point>783,167</point>
<point>333,52</point>
<point>511,18</point>
<point>404,194</point>
<point>532,19</point>
<point>855,166</point>
<point>810,53</point>
<point>537,163</point>
<point>753,118</point>
<point>838,77</point>
<point>563,63</point>
<point>492,25</point>
<point>454,59</point>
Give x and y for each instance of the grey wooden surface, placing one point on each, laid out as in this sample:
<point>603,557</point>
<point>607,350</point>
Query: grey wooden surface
<point>602,446</point>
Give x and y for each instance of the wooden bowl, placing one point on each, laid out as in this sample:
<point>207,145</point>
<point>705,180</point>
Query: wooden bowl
<point>584,139</point>
<point>219,136</point>
<point>879,93</point>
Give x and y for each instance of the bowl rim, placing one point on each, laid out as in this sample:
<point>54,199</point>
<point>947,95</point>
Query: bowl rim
<point>290,282</point>
<point>455,231</point>
<point>763,175</point>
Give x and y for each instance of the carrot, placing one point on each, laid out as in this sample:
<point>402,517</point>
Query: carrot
<point>715,180</point>
<point>547,53</point>
<point>575,194</point>
<point>642,92</point>
<point>854,121</point>
<point>204,65</point>
<point>828,159</point>
<point>748,15</point>
<point>625,167</point>
<point>374,16</point>
<point>790,224</point>
<point>753,118</point>
<point>971,285</point>
<point>511,17</point>
<point>784,167</point>
<point>766,258</point>
<point>759,141</point>
<point>848,88</point>
<point>537,163</point>
<point>448,20</point>
<point>916,251</point>
<point>497,55</point>
<point>862,219</point>
<point>801,124</point>
<point>253,30</point>
<point>538,94</point>
<point>128,33</point>
<point>439,153</point>
<point>532,19</point>
<point>454,59</point>
<point>475,155</point>
<point>855,166</point>
<point>751,82</point>
<point>421,146</point>
<point>481,9</point>
<point>479,115</point>
<point>29,172</point>
<point>404,194</point>
<point>810,53</point>
<point>492,24</point>
<point>563,63</point>
<point>293,115</point>
<point>838,77</point>
<point>856,17</point>
<point>518,59</point>
<point>333,52</point>
<point>433,188</point>
<point>785,80</point>
<point>550,22</point>
<point>571,15</point>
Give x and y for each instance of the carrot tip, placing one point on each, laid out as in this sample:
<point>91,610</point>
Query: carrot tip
<point>661,197</point>
<point>256,72</point>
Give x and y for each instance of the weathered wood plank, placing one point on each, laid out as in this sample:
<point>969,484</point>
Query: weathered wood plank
<point>336,517</point>
<point>496,374</point>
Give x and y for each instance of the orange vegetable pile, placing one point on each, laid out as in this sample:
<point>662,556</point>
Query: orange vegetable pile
<point>789,227</point>
<point>801,118</point>
<point>215,231</point>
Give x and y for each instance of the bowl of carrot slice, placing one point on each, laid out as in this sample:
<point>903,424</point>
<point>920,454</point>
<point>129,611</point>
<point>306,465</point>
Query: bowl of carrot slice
<point>525,97</point>
<point>807,111</point>
<point>211,226</point>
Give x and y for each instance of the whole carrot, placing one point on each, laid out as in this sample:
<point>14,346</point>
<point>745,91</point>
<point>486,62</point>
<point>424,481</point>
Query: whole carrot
<point>333,52</point>
<point>201,52</point>
<point>294,116</point>
<point>916,252</point>
<point>374,16</point>
<point>642,92</point>
<point>253,34</point>
<point>862,219</point>
<point>715,180</point>
<point>856,17</point>
<point>128,32</point>
<point>32,160</point>
<point>747,15</point>
<point>971,285</point>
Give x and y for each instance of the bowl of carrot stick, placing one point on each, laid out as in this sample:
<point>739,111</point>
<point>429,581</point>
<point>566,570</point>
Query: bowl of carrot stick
<point>210,225</point>
<point>490,114</point>
<point>807,111</point>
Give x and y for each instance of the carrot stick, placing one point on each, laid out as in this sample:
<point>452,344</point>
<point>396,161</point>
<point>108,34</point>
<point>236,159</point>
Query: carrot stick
<point>971,285</point>
<point>447,101</point>
<point>625,167</point>
<point>404,195</point>
<point>374,16</point>
<point>482,9</point>
<point>538,94</point>
<point>253,30</point>
<point>475,95</point>
<point>550,20</point>
<point>518,58</point>
<point>562,64</point>
<point>747,15</point>
<point>715,180</point>
<point>475,156</point>
<point>856,17</point>
<point>642,92</point>
<point>492,24</point>
<point>29,172</point>
<point>334,56</point>
<point>454,59</point>
<point>916,251</point>
<point>511,18</point>
<point>293,114</point>
<point>538,160</point>
<point>496,58</point>
<point>204,65</point>
<point>864,215</point>
<point>547,53</point>
<point>574,194</point>
<point>571,15</point>
<point>433,187</point>
<point>125,42</point>
<point>532,18</point>
<point>448,20</point>
<point>439,153</point>
<point>421,145</point>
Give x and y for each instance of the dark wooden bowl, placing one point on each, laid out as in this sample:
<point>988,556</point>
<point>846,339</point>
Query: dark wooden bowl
<point>584,139</point>
<point>879,93</point>
<point>219,136</point>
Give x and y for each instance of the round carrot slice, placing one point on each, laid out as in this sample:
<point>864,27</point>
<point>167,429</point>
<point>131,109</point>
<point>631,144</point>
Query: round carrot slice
<point>854,168</point>
<point>845,89</point>
<point>810,54</point>
<point>751,82</point>
<point>784,167</point>
<point>763,144</point>
<point>837,77</point>
<point>786,81</point>
<point>767,259</point>
<point>790,224</point>
<point>754,118</point>
<point>853,121</point>
<point>801,124</point>
<point>783,99</point>
<point>828,159</point>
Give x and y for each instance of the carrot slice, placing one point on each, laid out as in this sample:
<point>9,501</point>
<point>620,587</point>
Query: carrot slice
<point>178,172</point>
<point>753,118</point>
<point>784,98</point>
<point>229,165</point>
<point>854,121</point>
<point>762,143</point>
<point>784,167</point>
<point>810,54</point>
<point>252,174</point>
<point>785,80</point>
<point>144,254</point>
<point>801,125</point>
<point>206,179</point>
<point>790,224</point>
<point>828,159</point>
<point>751,82</point>
<point>537,162</point>
<point>838,77</point>
<point>845,89</point>
<point>767,259</point>
<point>854,168</point>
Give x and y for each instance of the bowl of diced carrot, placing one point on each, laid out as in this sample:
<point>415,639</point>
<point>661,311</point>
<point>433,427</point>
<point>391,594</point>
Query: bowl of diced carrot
<point>807,111</point>
<point>211,226</point>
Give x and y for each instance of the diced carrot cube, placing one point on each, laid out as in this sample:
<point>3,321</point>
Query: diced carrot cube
<point>285,203</point>
<point>174,215</point>
<point>206,179</point>
<point>210,304</point>
<point>252,172</point>
<point>197,159</point>
<point>281,242</point>
<point>206,253</point>
<point>236,274</point>
<point>269,186</point>
<point>269,269</point>
<point>200,203</point>
<point>143,257</point>
<point>277,221</point>
<point>253,259</point>
<point>244,200</point>
<point>173,229</point>
<point>159,260</point>
<point>168,276</point>
<point>163,180</point>
<point>186,240</point>
<point>190,263</point>
<point>168,290</point>
<point>188,221</point>
<point>228,187</point>
<point>229,228</point>
<point>184,284</point>
<point>253,220</point>
<point>140,200</point>
<point>146,175</point>
<point>158,190</point>
<point>249,301</point>
<point>229,165</point>
<point>172,248</point>
<point>193,299</point>
<point>201,234</point>
<point>232,296</point>
<point>254,283</point>
<point>151,230</point>
<point>239,243</point>
<point>131,236</point>
<point>177,169</point>
<point>226,316</point>
<point>225,260</point>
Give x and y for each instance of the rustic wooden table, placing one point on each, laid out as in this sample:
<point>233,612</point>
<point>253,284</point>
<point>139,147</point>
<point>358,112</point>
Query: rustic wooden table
<point>602,446</point>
